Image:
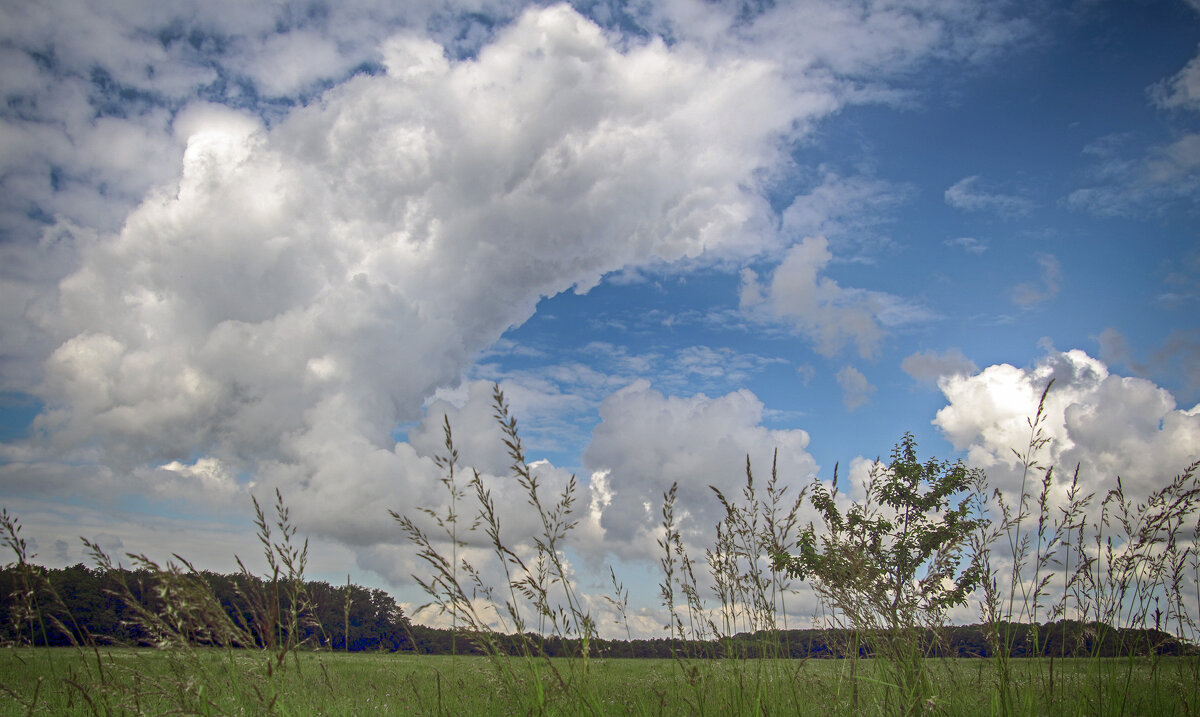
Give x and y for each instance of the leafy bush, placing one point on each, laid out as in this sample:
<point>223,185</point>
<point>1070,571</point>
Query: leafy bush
<point>891,566</point>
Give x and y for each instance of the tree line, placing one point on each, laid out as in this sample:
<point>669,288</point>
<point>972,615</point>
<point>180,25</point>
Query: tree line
<point>71,605</point>
<point>88,602</point>
<point>1061,639</point>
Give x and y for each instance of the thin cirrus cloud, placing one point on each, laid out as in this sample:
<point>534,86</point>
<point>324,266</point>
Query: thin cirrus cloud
<point>971,245</point>
<point>1181,91</point>
<point>1137,182</point>
<point>850,210</point>
<point>965,194</point>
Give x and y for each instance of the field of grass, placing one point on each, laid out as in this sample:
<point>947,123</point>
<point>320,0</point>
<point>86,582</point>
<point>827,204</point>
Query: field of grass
<point>56,681</point>
<point>1123,574</point>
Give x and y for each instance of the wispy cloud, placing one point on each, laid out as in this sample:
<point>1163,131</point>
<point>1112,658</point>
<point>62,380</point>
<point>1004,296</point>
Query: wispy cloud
<point>856,390</point>
<point>1029,294</point>
<point>725,364</point>
<point>971,245</point>
<point>1127,178</point>
<point>847,210</point>
<point>817,306</point>
<point>964,195</point>
<point>1182,282</point>
<point>1181,91</point>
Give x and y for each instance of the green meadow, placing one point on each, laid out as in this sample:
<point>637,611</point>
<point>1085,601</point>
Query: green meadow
<point>212,681</point>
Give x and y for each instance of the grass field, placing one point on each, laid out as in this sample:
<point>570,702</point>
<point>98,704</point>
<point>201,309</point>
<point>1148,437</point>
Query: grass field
<point>1051,571</point>
<point>144,681</point>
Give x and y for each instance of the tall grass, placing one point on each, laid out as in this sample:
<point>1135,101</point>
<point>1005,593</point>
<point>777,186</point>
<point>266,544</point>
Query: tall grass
<point>176,611</point>
<point>749,598</point>
<point>1100,580</point>
<point>536,598</point>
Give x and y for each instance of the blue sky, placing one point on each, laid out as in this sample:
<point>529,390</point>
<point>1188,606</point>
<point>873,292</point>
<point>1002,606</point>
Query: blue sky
<point>251,246</point>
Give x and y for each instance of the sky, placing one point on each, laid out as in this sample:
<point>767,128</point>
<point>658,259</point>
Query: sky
<point>258,246</point>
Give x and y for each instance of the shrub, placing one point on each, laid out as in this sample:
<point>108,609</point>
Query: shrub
<point>892,565</point>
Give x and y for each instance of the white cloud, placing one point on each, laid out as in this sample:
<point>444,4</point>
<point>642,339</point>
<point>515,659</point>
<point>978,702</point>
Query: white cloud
<point>964,195</point>
<point>337,268</point>
<point>1181,91</point>
<point>290,63</point>
<point>95,94</point>
<point>845,209</point>
<point>646,441</point>
<point>92,91</point>
<point>1107,424</point>
<point>481,451</point>
<point>930,367</point>
<point>856,390</point>
<point>244,278</point>
<point>1028,294</point>
<point>304,286</point>
<point>820,308</point>
<point>477,437</point>
<point>971,245</point>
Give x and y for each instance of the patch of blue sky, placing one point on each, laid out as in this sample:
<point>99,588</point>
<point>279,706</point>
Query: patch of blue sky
<point>134,505</point>
<point>17,411</point>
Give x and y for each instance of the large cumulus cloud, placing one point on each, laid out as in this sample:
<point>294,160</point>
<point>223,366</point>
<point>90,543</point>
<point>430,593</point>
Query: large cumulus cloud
<point>305,286</point>
<point>1106,424</point>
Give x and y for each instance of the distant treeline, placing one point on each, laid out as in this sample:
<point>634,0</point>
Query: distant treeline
<point>86,601</point>
<point>1062,639</point>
